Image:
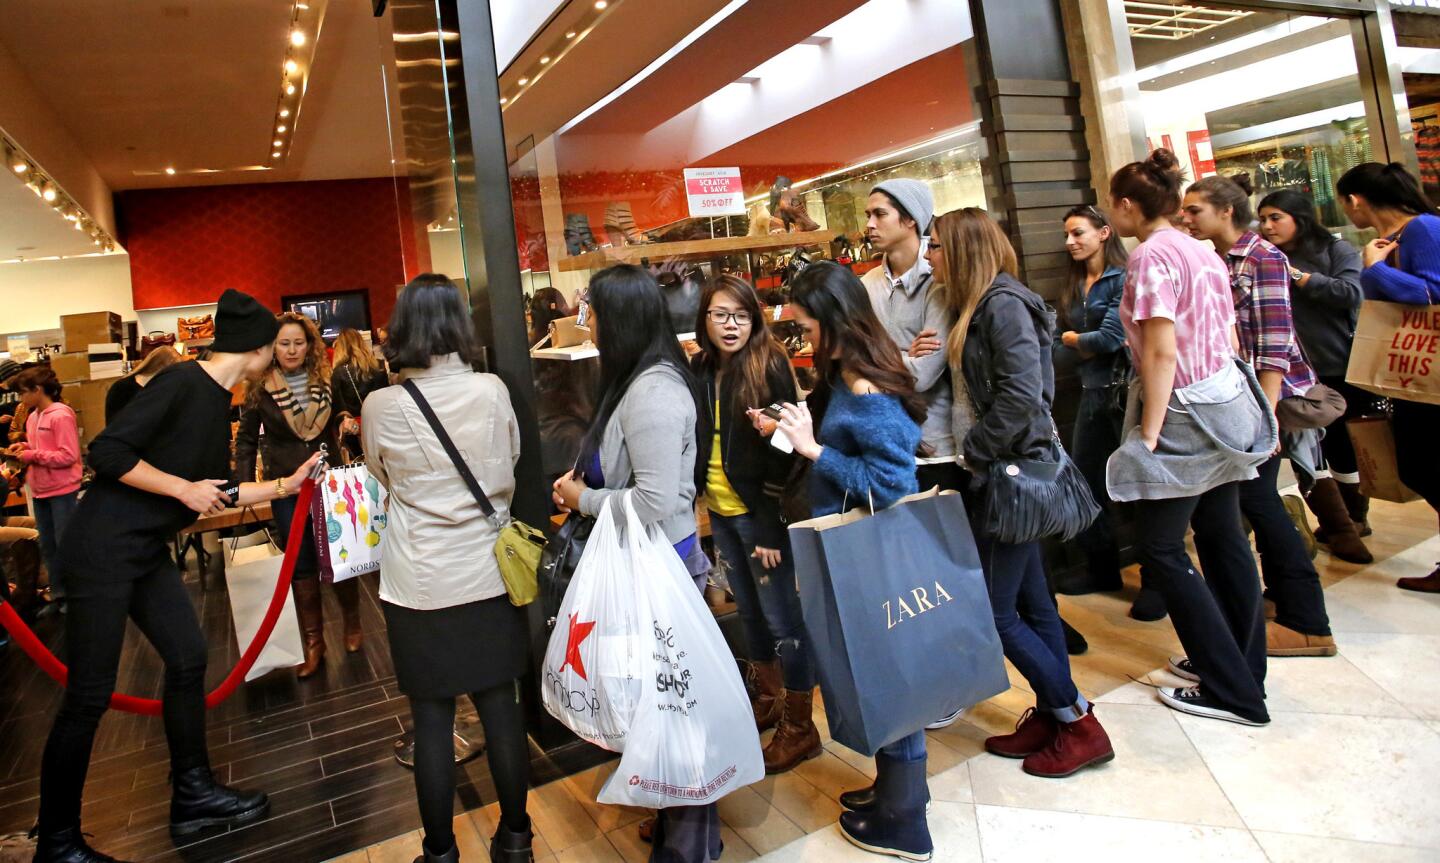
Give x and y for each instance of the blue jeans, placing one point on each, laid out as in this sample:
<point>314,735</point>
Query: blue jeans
<point>51,516</point>
<point>766,599</point>
<point>1029,625</point>
<point>910,748</point>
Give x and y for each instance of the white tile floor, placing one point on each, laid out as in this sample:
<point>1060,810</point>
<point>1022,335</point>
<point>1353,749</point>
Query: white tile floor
<point>1348,769</point>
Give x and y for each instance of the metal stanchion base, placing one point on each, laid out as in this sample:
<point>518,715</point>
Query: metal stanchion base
<point>469,744</point>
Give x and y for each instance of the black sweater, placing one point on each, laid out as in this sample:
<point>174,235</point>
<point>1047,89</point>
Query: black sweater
<point>756,470</point>
<point>180,424</point>
<point>1326,309</point>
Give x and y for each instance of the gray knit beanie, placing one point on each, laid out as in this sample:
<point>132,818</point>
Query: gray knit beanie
<point>914,198</point>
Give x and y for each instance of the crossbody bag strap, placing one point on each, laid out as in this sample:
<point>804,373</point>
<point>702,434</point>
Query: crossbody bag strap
<point>450,450</point>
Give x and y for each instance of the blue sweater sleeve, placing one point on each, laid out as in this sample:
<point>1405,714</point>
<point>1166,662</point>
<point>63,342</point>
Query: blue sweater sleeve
<point>1417,279</point>
<point>884,469</point>
<point>1109,337</point>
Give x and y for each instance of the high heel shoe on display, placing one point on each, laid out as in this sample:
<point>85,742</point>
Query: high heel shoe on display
<point>620,225</point>
<point>578,236</point>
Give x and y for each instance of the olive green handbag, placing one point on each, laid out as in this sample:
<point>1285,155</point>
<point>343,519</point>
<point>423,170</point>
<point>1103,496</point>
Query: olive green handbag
<point>519,545</point>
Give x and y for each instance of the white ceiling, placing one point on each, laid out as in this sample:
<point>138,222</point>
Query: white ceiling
<point>30,228</point>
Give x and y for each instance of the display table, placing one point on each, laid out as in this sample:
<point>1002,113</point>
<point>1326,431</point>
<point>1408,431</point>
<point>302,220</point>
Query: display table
<point>192,536</point>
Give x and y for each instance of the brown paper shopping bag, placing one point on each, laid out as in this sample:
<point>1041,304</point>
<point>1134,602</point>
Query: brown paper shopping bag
<point>1374,443</point>
<point>1396,352</point>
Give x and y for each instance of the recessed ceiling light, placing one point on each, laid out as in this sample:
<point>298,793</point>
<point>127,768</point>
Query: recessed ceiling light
<point>297,38</point>
<point>570,35</point>
<point>284,112</point>
<point>278,142</point>
<point>49,194</point>
<point>601,4</point>
<point>544,60</point>
<point>523,81</point>
<point>503,100</point>
<point>280,129</point>
<point>170,171</point>
<point>289,89</point>
<point>275,155</point>
<point>20,166</point>
<point>291,66</point>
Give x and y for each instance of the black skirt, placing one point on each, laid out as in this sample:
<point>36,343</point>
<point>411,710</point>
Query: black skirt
<point>455,651</point>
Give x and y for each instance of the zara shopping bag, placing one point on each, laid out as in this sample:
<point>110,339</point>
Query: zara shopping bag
<point>251,586</point>
<point>348,517</point>
<point>1396,352</point>
<point>898,616</point>
<point>637,665</point>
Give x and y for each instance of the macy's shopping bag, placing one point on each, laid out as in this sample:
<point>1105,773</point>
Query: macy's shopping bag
<point>348,517</point>
<point>1396,351</point>
<point>898,617</point>
<point>637,665</point>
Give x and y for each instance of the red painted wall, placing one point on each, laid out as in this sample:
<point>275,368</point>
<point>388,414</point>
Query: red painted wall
<point>270,240</point>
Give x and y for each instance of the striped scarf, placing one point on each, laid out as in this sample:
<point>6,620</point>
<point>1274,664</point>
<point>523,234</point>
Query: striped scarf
<point>308,422</point>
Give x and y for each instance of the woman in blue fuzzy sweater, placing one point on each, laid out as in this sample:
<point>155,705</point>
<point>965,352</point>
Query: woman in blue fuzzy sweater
<point>863,452</point>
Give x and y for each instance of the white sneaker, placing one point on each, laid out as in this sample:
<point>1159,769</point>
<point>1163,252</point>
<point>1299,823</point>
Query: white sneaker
<point>1190,699</point>
<point>1180,667</point>
<point>945,722</point>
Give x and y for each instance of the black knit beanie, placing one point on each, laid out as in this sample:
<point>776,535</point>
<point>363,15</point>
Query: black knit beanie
<point>242,324</point>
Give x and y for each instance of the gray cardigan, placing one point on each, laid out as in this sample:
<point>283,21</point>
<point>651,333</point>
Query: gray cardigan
<point>648,448</point>
<point>1326,309</point>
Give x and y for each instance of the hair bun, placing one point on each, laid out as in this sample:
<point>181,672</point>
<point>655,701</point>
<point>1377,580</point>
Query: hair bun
<point>1242,180</point>
<point>1163,159</point>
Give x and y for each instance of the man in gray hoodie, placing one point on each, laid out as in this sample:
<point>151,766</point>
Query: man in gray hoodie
<point>908,302</point>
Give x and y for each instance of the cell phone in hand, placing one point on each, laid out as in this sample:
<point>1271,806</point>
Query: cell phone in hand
<point>773,412</point>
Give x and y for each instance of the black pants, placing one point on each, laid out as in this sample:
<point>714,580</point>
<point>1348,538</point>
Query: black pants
<point>949,476</point>
<point>505,747</point>
<point>1096,436</point>
<point>1415,427</point>
<point>1218,617</point>
<point>94,633</point>
<point>1339,452</point>
<point>1290,578</point>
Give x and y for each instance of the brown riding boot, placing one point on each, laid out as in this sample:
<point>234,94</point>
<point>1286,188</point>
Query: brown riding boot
<point>312,624</point>
<point>348,592</point>
<point>1340,532</point>
<point>1357,505</point>
<point>765,693</point>
<point>796,737</point>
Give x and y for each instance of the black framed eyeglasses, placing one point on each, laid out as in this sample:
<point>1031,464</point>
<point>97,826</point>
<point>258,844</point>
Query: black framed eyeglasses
<point>720,316</point>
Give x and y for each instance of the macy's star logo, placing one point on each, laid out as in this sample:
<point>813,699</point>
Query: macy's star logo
<point>578,633</point>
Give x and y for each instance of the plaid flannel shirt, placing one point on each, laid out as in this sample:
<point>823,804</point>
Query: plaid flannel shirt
<point>1260,285</point>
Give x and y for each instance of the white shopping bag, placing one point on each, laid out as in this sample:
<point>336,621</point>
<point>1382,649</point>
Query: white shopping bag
<point>349,521</point>
<point>637,665</point>
<point>251,586</point>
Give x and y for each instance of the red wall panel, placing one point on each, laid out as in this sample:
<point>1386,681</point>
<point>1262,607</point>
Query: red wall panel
<point>270,240</point>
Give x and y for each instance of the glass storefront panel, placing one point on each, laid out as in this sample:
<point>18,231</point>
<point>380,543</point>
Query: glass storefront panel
<point>1272,95</point>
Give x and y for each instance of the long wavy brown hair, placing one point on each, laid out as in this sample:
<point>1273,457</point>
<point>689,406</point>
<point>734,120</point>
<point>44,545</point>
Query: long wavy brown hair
<point>317,365</point>
<point>350,347</point>
<point>976,251</point>
<point>749,366</point>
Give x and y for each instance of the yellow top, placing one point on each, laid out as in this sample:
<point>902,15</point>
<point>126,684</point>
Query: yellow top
<point>719,495</point>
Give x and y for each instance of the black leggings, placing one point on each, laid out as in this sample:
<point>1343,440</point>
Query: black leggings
<point>505,747</point>
<point>94,634</point>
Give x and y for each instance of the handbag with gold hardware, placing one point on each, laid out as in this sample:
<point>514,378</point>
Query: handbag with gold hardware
<point>202,327</point>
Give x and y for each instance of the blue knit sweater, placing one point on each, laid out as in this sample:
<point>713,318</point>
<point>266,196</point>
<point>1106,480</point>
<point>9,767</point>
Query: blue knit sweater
<point>1417,279</point>
<point>870,445</point>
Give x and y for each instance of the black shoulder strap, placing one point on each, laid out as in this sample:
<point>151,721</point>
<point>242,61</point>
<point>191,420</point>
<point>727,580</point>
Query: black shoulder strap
<point>450,449</point>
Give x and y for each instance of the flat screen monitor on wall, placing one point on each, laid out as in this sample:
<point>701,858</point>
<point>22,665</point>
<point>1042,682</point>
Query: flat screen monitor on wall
<point>332,312</point>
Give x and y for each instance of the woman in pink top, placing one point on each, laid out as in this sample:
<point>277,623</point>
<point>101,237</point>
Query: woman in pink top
<point>1196,427</point>
<point>52,450</point>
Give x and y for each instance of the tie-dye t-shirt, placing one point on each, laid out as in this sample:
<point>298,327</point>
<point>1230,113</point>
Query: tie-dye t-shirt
<point>1173,275</point>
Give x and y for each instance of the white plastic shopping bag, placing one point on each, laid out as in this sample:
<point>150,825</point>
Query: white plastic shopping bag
<point>251,586</point>
<point>637,665</point>
<point>349,520</point>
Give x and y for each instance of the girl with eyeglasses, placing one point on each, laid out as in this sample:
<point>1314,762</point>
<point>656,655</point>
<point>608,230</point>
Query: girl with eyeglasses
<point>743,368</point>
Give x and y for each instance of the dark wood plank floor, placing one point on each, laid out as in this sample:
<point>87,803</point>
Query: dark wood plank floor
<point>322,749</point>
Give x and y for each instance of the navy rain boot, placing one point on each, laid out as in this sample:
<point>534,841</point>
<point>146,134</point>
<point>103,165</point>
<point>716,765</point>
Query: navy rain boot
<point>896,826</point>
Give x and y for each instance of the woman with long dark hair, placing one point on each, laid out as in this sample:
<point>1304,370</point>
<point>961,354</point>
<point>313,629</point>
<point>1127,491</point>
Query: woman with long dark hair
<point>643,443</point>
<point>1402,266</point>
<point>863,449</point>
<point>1218,209</point>
<point>1325,304</point>
<point>452,628</point>
<point>1001,345</point>
<point>288,415</point>
<point>1090,339</point>
<point>744,368</point>
<point>1195,429</point>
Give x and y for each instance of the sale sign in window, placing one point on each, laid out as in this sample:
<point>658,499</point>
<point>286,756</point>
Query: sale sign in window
<point>714,192</point>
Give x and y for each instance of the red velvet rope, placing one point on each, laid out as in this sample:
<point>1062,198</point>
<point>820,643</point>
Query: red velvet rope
<point>42,656</point>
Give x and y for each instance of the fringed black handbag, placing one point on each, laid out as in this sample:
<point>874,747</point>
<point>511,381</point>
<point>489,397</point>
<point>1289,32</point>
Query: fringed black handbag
<point>1028,500</point>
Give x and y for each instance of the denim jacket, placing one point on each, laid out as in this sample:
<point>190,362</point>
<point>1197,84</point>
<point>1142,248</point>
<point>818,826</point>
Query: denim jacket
<point>1102,337</point>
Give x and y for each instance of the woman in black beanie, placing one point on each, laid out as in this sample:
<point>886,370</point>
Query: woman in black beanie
<point>158,467</point>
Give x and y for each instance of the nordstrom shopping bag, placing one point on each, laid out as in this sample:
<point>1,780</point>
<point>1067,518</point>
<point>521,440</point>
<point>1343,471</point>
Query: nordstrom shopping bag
<point>251,586</point>
<point>898,617</point>
<point>637,665</point>
<point>1396,352</point>
<point>1374,443</point>
<point>348,517</point>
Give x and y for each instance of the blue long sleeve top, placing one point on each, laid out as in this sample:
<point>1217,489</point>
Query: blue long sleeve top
<point>1417,278</point>
<point>870,444</point>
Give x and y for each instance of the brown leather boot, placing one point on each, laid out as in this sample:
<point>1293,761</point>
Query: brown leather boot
<point>348,592</point>
<point>1357,505</point>
<point>796,737</point>
<point>312,624</point>
<point>766,691</point>
<point>1339,532</point>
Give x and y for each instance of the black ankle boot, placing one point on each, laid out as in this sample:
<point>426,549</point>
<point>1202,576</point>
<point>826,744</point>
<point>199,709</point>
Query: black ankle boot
<point>68,846</point>
<point>1075,643</point>
<point>198,801</point>
<point>896,824</point>
<point>509,846</point>
<point>451,856</point>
